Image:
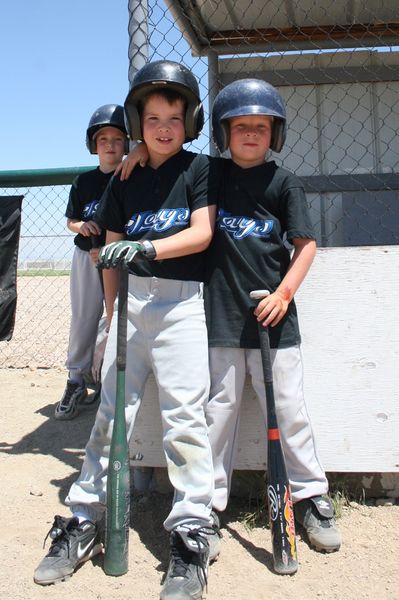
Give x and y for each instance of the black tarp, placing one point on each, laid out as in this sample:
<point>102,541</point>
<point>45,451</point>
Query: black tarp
<point>10,227</point>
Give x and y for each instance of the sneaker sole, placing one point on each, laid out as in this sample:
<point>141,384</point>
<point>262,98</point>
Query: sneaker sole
<point>97,549</point>
<point>214,557</point>
<point>323,549</point>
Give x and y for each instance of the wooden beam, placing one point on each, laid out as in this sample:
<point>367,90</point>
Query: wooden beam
<point>307,34</point>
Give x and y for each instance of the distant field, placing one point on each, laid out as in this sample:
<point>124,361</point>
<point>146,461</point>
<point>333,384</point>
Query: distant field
<point>41,330</point>
<point>41,273</point>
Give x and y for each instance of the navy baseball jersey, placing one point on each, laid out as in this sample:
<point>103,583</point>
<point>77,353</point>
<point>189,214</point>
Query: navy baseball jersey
<point>259,208</point>
<point>158,203</point>
<point>84,197</point>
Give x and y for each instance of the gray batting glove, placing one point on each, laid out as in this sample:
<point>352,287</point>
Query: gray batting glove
<point>118,254</point>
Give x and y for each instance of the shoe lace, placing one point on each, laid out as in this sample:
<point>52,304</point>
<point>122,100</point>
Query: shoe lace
<point>183,557</point>
<point>60,533</point>
<point>325,522</point>
<point>69,391</point>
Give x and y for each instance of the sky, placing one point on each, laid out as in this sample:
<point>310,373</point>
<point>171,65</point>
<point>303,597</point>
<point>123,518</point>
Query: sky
<point>60,60</point>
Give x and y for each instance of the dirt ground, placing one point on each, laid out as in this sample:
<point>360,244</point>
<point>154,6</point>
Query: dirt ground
<point>39,459</point>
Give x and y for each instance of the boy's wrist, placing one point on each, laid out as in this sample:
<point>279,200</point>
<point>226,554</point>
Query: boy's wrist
<point>148,249</point>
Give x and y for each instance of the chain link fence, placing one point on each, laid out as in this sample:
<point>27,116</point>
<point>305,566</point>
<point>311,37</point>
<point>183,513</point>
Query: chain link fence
<point>337,67</point>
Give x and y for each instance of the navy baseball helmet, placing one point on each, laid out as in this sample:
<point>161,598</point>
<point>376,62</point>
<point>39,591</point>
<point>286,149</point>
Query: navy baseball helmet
<point>109,115</point>
<point>248,97</point>
<point>164,74</point>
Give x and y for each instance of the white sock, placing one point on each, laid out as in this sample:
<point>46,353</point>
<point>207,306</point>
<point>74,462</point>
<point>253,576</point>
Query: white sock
<point>81,516</point>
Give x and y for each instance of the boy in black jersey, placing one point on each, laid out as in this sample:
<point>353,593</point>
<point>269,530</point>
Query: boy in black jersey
<point>260,205</point>
<point>106,136</point>
<point>159,222</point>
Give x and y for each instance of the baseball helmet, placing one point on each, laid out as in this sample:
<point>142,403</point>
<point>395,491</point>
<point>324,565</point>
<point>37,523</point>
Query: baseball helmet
<point>165,74</point>
<point>109,115</point>
<point>248,97</point>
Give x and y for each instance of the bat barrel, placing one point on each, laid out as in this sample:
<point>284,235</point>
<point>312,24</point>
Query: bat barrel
<point>118,481</point>
<point>281,514</point>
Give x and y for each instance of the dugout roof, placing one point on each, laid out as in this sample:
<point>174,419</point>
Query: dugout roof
<point>243,26</point>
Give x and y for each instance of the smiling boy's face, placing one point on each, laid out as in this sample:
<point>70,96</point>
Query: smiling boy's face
<point>110,146</point>
<point>163,128</point>
<point>250,138</point>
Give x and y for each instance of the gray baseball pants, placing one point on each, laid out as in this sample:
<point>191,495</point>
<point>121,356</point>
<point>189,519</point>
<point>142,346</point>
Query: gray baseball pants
<point>87,307</point>
<point>166,335</point>
<point>228,367</point>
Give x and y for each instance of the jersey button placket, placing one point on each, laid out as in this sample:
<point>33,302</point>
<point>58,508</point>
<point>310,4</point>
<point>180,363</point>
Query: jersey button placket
<point>154,287</point>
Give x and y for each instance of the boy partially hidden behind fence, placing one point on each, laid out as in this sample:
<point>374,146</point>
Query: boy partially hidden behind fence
<point>106,136</point>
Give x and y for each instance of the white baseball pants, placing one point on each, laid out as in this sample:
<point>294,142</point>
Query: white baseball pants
<point>167,335</point>
<point>228,367</point>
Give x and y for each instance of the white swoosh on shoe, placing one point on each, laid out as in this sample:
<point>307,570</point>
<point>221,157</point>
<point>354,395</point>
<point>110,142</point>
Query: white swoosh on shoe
<point>83,549</point>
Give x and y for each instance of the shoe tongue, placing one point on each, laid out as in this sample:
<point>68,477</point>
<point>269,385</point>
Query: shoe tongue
<point>323,506</point>
<point>193,541</point>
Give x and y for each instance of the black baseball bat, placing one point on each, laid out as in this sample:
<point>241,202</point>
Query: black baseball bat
<point>281,514</point>
<point>118,484</point>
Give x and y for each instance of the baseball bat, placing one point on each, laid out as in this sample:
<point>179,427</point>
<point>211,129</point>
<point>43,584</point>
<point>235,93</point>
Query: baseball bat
<point>281,514</point>
<point>118,484</point>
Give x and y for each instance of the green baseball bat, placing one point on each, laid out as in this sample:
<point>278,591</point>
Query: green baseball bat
<point>118,484</point>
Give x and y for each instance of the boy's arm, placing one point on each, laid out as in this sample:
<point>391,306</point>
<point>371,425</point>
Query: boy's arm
<point>111,278</point>
<point>272,309</point>
<point>192,240</point>
<point>195,238</point>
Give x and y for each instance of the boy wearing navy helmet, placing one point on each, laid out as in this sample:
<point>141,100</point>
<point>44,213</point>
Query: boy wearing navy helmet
<point>159,223</point>
<point>106,136</point>
<point>260,206</point>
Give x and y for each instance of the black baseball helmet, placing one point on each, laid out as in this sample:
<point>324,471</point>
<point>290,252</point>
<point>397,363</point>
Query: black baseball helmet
<point>109,115</point>
<point>248,97</point>
<point>164,74</point>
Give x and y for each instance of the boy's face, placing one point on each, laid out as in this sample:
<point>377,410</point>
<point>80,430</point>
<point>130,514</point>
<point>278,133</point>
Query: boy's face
<point>110,144</point>
<point>250,138</point>
<point>163,128</point>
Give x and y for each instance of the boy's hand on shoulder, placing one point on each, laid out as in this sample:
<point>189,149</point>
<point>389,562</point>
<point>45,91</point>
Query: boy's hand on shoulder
<point>137,156</point>
<point>272,309</point>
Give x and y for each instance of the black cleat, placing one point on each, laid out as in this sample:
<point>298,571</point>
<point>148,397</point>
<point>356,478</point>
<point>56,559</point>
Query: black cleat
<point>72,544</point>
<point>72,398</point>
<point>316,515</point>
<point>188,566</point>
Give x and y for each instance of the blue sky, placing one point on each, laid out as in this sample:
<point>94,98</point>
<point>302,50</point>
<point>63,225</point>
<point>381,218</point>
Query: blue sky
<point>59,62</point>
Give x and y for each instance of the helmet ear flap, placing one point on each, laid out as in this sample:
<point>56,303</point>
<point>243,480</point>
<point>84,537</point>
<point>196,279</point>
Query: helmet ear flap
<point>279,134</point>
<point>133,121</point>
<point>221,136</point>
<point>194,120</point>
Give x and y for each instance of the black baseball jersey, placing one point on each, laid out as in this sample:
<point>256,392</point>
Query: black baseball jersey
<point>84,197</point>
<point>157,203</point>
<point>259,208</point>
